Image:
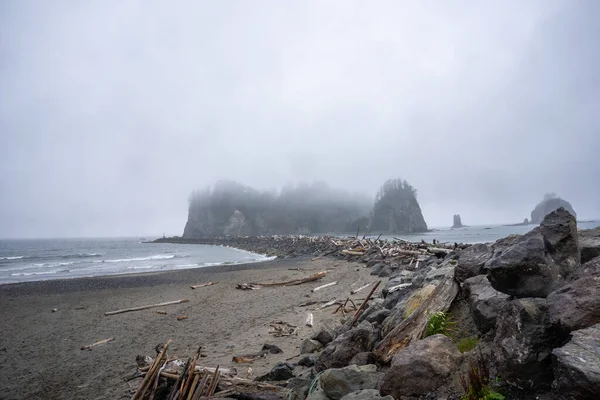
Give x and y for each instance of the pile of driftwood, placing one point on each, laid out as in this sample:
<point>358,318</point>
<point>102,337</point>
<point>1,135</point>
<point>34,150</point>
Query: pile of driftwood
<point>174,379</point>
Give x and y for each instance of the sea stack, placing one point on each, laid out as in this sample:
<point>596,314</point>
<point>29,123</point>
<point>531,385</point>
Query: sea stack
<point>457,223</point>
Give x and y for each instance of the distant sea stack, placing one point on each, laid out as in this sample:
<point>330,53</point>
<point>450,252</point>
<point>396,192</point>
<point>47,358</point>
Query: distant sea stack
<point>550,203</point>
<point>232,209</point>
<point>397,210</point>
<point>457,223</point>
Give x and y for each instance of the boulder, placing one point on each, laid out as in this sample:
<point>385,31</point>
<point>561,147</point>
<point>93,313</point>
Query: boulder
<point>484,301</point>
<point>422,368</point>
<point>589,244</point>
<point>342,349</point>
<point>324,336</point>
<point>525,339</point>
<point>364,358</point>
<point>366,394</point>
<point>280,372</point>
<point>338,382</point>
<point>377,268</point>
<point>310,346</point>
<point>577,365</point>
<point>577,305</point>
<point>405,307</point>
<point>375,313</point>
<point>559,230</point>
<point>539,262</point>
<point>471,261</point>
<point>307,361</point>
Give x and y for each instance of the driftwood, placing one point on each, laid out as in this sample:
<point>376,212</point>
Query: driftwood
<point>247,286</point>
<point>281,328</point>
<point>293,282</point>
<point>364,304</point>
<point>203,285</point>
<point>309,320</point>
<point>89,346</point>
<point>361,288</point>
<point>168,303</point>
<point>398,287</point>
<point>152,374</point>
<point>413,327</point>
<point>352,252</point>
<point>328,304</point>
<point>324,286</point>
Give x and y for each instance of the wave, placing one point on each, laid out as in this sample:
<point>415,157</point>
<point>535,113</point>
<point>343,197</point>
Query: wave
<point>39,272</point>
<point>157,257</point>
<point>54,264</point>
<point>12,258</point>
<point>81,255</point>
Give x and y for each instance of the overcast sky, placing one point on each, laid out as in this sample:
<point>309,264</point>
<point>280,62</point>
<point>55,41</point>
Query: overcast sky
<point>112,112</point>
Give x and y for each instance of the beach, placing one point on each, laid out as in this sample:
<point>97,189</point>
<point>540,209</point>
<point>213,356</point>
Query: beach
<point>40,350</point>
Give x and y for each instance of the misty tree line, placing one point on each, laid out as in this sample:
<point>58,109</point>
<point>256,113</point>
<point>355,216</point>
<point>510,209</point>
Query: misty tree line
<point>304,209</point>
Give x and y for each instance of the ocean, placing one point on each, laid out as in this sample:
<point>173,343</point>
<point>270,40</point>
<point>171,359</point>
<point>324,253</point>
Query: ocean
<point>45,259</point>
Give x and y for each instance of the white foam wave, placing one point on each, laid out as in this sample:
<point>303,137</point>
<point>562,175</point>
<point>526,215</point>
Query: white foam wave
<point>38,273</point>
<point>54,264</point>
<point>157,257</point>
<point>12,258</point>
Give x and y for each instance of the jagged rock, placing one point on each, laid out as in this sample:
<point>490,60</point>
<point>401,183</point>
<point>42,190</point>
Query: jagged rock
<point>437,274</point>
<point>577,305</point>
<point>299,387</point>
<point>550,203</point>
<point>540,261</point>
<point>577,366</point>
<point>471,261</point>
<point>456,222</point>
<point>338,353</point>
<point>377,268</point>
<point>389,270</point>
<point>324,336</point>
<point>405,307</point>
<point>391,300</point>
<point>307,361</point>
<point>310,346</point>
<point>363,359</point>
<point>421,368</point>
<point>589,244</point>
<point>338,382</point>
<point>375,313</point>
<point>525,339</point>
<point>485,302</point>
<point>366,394</point>
<point>280,372</point>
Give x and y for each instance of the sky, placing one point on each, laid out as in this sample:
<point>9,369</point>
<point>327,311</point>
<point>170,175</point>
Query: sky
<point>112,112</point>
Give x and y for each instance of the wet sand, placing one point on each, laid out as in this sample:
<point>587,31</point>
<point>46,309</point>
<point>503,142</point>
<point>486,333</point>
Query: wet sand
<point>40,356</point>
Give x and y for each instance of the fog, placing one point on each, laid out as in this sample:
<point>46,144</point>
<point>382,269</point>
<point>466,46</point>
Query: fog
<point>113,112</point>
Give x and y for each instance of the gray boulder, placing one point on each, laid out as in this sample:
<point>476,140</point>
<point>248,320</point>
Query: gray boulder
<point>485,302</point>
<point>338,382</point>
<point>525,339</point>
<point>374,314</point>
<point>577,366</point>
<point>366,394</point>
<point>377,268</point>
<point>589,244</point>
<point>364,358</point>
<point>342,349</point>
<point>577,305</point>
<point>310,346</point>
<point>421,368</point>
<point>280,372</point>
<point>324,336</point>
<point>540,261</point>
<point>471,261</point>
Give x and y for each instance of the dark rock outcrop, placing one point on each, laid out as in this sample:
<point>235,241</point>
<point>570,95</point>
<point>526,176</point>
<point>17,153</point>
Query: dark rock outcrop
<point>577,305</point>
<point>340,351</point>
<point>471,261</point>
<point>540,261</point>
<point>589,244</point>
<point>324,336</point>
<point>338,382</point>
<point>421,368</point>
<point>280,372</point>
<point>396,209</point>
<point>577,366</point>
<point>456,222</point>
<point>485,302</point>
<point>550,203</point>
<point>525,339</point>
<point>310,346</point>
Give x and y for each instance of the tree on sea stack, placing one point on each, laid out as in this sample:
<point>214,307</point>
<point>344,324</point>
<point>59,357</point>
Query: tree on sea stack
<point>396,209</point>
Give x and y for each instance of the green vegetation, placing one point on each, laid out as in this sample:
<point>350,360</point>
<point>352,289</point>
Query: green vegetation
<point>439,323</point>
<point>467,344</point>
<point>477,383</point>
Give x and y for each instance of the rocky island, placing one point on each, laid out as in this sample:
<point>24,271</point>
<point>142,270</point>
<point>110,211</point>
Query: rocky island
<point>456,221</point>
<point>232,209</point>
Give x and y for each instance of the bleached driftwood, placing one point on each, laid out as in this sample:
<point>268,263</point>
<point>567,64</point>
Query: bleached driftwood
<point>309,320</point>
<point>398,287</point>
<point>361,288</point>
<point>168,303</point>
<point>311,278</point>
<point>203,285</point>
<point>324,286</point>
<point>89,346</point>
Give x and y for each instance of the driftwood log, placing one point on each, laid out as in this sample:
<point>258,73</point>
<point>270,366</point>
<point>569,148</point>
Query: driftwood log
<point>413,327</point>
<point>168,303</point>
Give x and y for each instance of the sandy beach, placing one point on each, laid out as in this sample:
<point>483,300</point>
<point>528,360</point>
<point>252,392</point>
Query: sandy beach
<point>40,350</point>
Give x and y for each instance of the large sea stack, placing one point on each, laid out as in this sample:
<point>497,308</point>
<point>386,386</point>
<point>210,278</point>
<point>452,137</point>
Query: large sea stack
<point>397,210</point>
<point>550,203</point>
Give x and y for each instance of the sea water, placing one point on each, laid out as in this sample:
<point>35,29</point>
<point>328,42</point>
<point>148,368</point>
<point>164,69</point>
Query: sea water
<point>44,259</point>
